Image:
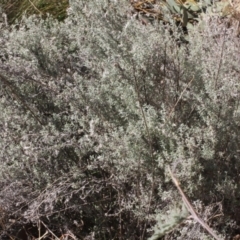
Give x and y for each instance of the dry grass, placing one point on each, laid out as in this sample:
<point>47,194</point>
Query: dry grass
<point>15,9</point>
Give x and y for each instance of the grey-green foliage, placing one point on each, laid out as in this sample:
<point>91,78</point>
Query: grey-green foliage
<point>113,103</point>
<point>167,223</point>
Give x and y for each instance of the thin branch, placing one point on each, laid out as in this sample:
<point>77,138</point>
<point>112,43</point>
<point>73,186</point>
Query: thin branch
<point>180,97</point>
<point>221,59</point>
<point>8,84</point>
<point>49,230</point>
<point>35,7</point>
<point>190,207</point>
<point>149,143</point>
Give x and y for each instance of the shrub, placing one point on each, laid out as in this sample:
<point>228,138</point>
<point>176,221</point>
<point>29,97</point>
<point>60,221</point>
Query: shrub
<point>94,109</point>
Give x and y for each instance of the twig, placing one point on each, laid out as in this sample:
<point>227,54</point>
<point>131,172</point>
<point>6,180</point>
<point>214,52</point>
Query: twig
<point>190,207</point>
<point>35,7</point>
<point>49,230</point>
<point>149,143</point>
<point>67,235</point>
<point>220,60</point>
<point>43,236</point>
<point>7,83</point>
<point>179,98</point>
